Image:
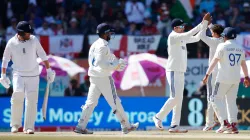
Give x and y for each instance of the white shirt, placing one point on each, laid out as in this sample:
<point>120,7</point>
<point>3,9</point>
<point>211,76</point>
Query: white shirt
<point>135,12</point>
<point>43,32</point>
<point>212,43</point>
<point>230,55</point>
<point>177,49</point>
<point>24,55</point>
<point>101,60</point>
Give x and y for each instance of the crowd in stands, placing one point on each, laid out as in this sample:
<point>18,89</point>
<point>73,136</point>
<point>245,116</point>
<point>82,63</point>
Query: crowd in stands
<point>129,17</point>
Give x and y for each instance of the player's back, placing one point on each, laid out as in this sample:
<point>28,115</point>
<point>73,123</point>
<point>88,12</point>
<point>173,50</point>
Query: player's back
<point>230,62</point>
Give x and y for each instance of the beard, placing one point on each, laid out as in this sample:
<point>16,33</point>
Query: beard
<point>108,38</point>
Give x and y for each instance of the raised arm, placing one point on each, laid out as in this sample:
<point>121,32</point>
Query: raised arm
<point>197,37</point>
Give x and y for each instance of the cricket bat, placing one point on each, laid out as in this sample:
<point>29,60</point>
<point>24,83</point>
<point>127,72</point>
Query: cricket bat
<point>45,101</point>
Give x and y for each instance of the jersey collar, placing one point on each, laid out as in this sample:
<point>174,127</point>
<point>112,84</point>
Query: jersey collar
<point>104,41</point>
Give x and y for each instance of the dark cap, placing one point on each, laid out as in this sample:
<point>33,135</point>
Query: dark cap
<point>177,22</point>
<point>24,26</point>
<point>229,32</point>
<point>104,28</point>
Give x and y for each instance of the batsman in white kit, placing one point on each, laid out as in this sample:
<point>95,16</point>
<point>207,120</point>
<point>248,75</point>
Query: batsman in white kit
<point>23,49</point>
<point>231,58</point>
<point>101,63</point>
<point>212,43</point>
<point>175,69</point>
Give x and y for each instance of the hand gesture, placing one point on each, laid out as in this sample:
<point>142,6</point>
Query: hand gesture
<point>207,17</point>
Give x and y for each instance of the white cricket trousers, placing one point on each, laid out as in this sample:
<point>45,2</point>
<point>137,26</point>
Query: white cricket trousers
<point>225,110</point>
<point>24,87</point>
<point>176,84</point>
<point>106,87</point>
<point>210,87</point>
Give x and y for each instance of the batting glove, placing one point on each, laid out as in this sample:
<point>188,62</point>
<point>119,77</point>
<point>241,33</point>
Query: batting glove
<point>122,65</point>
<point>5,81</point>
<point>51,74</point>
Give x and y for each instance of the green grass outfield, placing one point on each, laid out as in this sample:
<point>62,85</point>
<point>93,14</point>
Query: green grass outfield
<point>137,135</point>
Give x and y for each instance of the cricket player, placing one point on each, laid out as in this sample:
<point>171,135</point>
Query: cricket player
<point>212,43</point>
<point>231,58</point>
<point>101,63</point>
<point>23,49</point>
<point>175,69</point>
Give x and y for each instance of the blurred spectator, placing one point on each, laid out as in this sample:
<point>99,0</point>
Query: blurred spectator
<point>119,27</point>
<point>36,20</point>
<point>2,30</point>
<point>61,14</point>
<point>232,14</point>
<point>59,28</point>
<point>207,5</point>
<point>73,29</point>
<point>217,10</point>
<point>11,30</point>
<point>9,12</point>
<point>82,11</point>
<point>149,28</point>
<point>132,30</point>
<point>199,18</point>
<point>106,12</point>
<point>73,89</point>
<point>119,15</point>
<point>88,24</point>
<point>244,24</point>
<point>164,24</point>
<point>3,43</point>
<point>221,20</point>
<point>85,86</point>
<point>45,30</point>
<point>134,11</point>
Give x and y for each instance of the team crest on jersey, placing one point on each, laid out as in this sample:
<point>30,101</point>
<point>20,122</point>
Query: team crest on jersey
<point>66,43</point>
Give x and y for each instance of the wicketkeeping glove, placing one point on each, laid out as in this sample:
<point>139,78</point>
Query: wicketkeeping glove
<point>5,81</point>
<point>51,74</point>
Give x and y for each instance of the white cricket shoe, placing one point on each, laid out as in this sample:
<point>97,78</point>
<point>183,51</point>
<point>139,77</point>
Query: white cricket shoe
<point>209,127</point>
<point>28,131</point>
<point>14,129</point>
<point>158,123</point>
<point>225,127</point>
<point>132,128</point>
<point>177,129</point>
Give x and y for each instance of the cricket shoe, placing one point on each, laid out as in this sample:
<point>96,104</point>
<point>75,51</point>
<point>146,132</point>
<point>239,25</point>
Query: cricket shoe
<point>233,129</point>
<point>158,123</point>
<point>132,128</point>
<point>14,129</point>
<point>225,127</point>
<point>82,131</point>
<point>177,129</point>
<point>207,127</point>
<point>28,131</point>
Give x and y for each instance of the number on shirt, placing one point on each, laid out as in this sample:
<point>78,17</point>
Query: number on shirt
<point>234,58</point>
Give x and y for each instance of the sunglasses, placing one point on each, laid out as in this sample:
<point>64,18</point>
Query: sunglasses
<point>181,27</point>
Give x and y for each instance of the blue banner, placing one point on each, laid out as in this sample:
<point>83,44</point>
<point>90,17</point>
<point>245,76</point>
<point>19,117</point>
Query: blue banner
<point>65,111</point>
